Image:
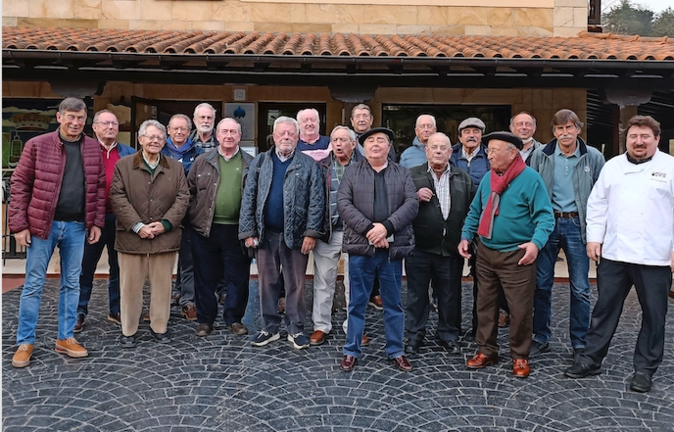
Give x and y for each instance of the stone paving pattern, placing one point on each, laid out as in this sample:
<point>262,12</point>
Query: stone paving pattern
<point>221,383</point>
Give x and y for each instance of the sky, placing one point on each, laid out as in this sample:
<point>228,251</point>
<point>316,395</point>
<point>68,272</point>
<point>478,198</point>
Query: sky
<point>656,6</point>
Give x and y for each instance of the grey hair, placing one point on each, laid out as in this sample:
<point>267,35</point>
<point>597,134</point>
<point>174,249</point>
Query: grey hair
<point>352,134</point>
<point>204,105</point>
<point>104,111</point>
<point>564,116</point>
<point>512,119</point>
<point>184,117</point>
<point>72,104</point>
<point>238,125</point>
<point>435,124</point>
<point>152,122</point>
<point>308,111</point>
<point>287,120</point>
<point>361,106</point>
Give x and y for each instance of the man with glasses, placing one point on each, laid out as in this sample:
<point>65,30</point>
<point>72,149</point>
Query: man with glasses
<point>328,248</point>
<point>512,216</point>
<point>416,154</point>
<point>181,148</point>
<point>445,193</point>
<point>58,199</point>
<point>106,128</point>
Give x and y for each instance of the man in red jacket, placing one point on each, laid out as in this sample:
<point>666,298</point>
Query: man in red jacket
<point>58,199</point>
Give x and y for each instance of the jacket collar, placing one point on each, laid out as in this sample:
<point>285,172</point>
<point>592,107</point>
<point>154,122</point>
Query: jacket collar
<point>139,163</point>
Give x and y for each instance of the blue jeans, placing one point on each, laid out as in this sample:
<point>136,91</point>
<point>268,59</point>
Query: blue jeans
<point>565,236</point>
<point>92,254</point>
<point>362,271</point>
<point>69,237</point>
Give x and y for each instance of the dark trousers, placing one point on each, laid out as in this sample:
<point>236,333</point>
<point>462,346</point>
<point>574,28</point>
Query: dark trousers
<point>92,254</point>
<point>220,254</point>
<point>185,277</point>
<point>614,281</point>
<point>444,273</point>
<point>271,255</point>
<point>500,269</point>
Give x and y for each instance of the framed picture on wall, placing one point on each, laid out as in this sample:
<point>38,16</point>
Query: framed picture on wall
<point>244,113</point>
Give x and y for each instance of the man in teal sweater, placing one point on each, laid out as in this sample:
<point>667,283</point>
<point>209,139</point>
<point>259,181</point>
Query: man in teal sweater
<point>513,217</point>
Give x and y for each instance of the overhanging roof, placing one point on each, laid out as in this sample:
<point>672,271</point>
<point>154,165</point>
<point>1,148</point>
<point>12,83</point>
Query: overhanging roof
<point>589,60</point>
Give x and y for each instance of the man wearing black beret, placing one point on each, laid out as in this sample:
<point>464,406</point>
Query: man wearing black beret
<point>512,216</point>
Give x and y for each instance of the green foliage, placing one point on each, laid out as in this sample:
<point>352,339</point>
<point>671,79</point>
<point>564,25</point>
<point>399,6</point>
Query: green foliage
<point>628,19</point>
<point>664,23</point>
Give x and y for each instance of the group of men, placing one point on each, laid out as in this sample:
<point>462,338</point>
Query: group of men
<point>502,200</point>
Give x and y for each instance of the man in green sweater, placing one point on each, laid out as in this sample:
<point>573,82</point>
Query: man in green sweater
<point>513,218</point>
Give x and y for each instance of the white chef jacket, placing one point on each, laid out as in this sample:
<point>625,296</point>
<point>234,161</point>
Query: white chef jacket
<point>631,210</point>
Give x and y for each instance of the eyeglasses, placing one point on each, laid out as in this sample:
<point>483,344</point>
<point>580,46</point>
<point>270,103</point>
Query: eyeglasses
<point>436,147</point>
<point>108,123</point>
<point>154,137</point>
<point>494,151</point>
<point>179,129</point>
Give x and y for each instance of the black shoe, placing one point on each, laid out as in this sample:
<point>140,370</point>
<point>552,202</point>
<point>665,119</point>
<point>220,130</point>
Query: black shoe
<point>641,382</point>
<point>162,338</point>
<point>538,348</point>
<point>452,347</point>
<point>577,352</point>
<point>580,369</point>
<point>127,341</point>
<point>413,346</point>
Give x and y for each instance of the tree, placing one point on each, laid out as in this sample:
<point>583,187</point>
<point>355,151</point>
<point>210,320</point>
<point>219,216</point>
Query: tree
<point>627,19</point>
<point>664,23</point>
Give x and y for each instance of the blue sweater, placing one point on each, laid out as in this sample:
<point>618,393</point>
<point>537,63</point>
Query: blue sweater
<point>525,213</point>
<point>273,212</point>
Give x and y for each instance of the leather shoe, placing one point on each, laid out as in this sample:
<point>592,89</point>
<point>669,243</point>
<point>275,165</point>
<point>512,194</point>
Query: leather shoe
<point>317,338</point>
<point>204,329</point>
<point>521,368</point>
<point>452,347</point>
<point>413,346</point>
<point>580,369</point>
<point>162,338</point>
<point>364,341</point>
<point>348,363</point>
<point>641,382</point>
<point>480,361</point>
<point>376,302</point>
<point>402,363</point>
<point>127,341</point>
<point>538,348</point>
<point>79,325</point>
<point>175,298</point>
<point>671,294</point>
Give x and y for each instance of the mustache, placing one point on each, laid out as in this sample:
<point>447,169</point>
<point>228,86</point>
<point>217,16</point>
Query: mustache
<point>566,137</point>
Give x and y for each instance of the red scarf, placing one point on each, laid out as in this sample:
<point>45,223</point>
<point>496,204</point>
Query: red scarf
<point>498,185</point>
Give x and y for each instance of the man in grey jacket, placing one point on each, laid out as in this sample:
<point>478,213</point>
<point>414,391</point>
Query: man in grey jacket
<point>569,168</point>
<point>282,215</point>
<point>377,202</point>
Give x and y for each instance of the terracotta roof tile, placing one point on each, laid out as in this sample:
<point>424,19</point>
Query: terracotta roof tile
<point>586,46</point>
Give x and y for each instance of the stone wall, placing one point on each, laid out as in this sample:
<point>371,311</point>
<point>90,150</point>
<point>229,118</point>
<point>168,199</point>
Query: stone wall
<point>479,17</point>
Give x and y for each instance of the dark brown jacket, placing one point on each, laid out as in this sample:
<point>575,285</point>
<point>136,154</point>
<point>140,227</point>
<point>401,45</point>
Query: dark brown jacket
<point>202,182</point>
<point>137,196</point>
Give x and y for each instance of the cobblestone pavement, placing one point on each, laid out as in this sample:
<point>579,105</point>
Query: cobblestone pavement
<point>221,383</point>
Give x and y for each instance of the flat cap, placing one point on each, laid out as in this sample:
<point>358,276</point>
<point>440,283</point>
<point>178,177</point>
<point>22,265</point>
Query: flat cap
<point>472,122</point>
<point>503,136</point>
<point>373,131</point>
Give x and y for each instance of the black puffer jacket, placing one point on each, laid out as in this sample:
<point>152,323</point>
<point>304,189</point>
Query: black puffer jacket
<point>355,204</point>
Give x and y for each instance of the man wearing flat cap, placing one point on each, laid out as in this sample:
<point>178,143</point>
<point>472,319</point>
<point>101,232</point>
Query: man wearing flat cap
<point>512,217</point>
<point>377,202</point>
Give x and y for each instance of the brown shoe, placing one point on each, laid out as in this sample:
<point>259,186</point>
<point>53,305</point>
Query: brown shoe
<point>503,318</point>
<point>317,338</point>
<point>222,298</point>
<point>376,302</point>
<point>115,318</point>
<point>480,361</point>
<point>79,325</point>
<point>364,341</point>
<point>402,363</point>
<point>22,355</point>
<point>238,329</point>
<point>189,311</point>
<point>348,363</point>
<point>671,294</point>
<point>204,329</point>
<point>521,368</point>
<point>281,307</point>
<point>146,316</point>
<point>71,348</point>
